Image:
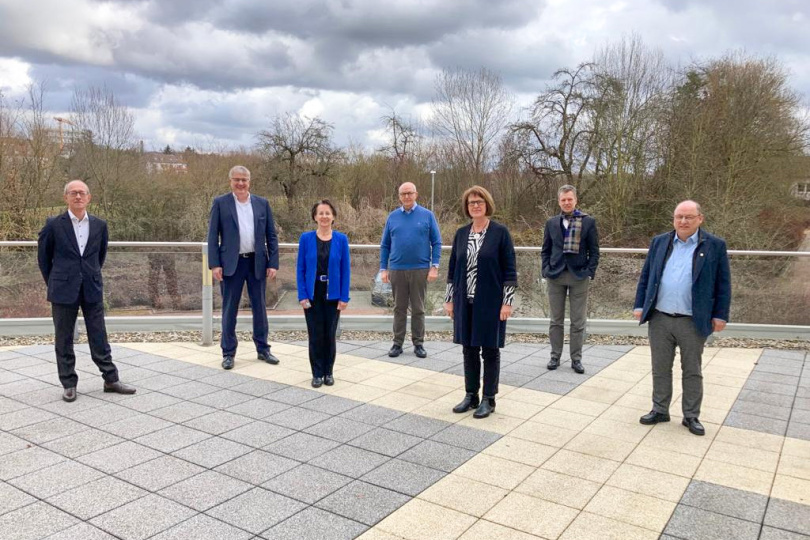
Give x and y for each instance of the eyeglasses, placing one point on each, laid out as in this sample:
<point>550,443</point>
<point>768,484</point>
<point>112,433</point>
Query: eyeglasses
<point>476,203</point>
<point>77,193</point>
<point>238,180</point>
<point>407,194</point>
<point>686,218</point>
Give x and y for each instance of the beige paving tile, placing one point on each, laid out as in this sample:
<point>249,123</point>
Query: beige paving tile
<point>492,531</point>
<point>735,476</point>
<point>532,515</point>
<point>792,489</point>
<point>599,446</point>
<point>580,465</point>
<point>644,388</point>
<point>520,450</point>
<point>534,397</point>
<point>413,373</point>
<point>496,423</point>
<point>425,390</point>
<point>594,393</point>
<point>795,447</point>
<point>563,419</point>
<point>635,402</point>
<point>614,429</point>
<point>495,471</point>
<point>443,411</point>
<point>649,482</point>
<point>673,436</point>
<point>359,392</point>
<point>399,401</point>
<point>627,415</point>
<point>353,374</point>
<point>713,415</point>
<point>517,409</point>
<point>559,488</point>
<point>589,526</point>
<point>579,406</point>
<point>633,508</point>
<point>445,379</point>
<point>544,433</point>
<point>747,457</point>
<point>388,381</point>
<point>660,459</point>
<point>796,466</point>
<point>376,366</point>
<point>422,520</point>
<point>612,372</point>
<point>751,439</point>
<point>349,361</point>
<point>464,495</point>
<point>608,384</point>
<point>722,379</point>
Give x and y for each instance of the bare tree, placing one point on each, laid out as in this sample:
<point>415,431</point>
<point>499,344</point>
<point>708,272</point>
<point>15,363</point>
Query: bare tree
<point>471,109</point>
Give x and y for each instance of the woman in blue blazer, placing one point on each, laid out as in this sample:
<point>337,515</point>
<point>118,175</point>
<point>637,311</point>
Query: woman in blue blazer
<point>323,274</point>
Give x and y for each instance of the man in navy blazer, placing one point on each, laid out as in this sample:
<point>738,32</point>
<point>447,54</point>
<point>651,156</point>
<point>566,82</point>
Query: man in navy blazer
<point>684,292</point>
<point>71,250</point>
<point>242,247</point>
<point>570,255</point>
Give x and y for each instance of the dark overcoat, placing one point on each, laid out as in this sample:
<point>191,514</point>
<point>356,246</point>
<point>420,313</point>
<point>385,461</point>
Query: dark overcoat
<point>496,268</point>
<point>555,261</point>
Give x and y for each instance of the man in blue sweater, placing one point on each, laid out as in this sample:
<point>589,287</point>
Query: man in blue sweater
<point>409,258</point>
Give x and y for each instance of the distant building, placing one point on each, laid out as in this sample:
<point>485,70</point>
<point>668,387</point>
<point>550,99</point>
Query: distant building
<point>157,162</point>
<point>801,190</point>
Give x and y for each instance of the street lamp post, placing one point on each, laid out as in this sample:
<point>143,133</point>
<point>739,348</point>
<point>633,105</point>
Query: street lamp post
<point>432,186</point>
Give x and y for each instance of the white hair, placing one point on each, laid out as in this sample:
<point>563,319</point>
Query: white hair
<point>239,169</point>
<point>76,180</point>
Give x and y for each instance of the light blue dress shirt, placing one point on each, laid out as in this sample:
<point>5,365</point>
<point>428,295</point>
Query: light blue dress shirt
<point>675,291</point>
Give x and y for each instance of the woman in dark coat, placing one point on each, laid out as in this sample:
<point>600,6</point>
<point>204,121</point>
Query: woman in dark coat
<point>481,284</point>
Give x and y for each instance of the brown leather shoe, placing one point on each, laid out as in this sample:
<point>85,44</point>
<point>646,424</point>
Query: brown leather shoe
<point>118,387</point>
<point>69,394</point>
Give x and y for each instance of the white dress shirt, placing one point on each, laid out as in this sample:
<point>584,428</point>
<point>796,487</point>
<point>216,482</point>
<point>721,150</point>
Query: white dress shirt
<point>81,227</point>
<point>244,212</point>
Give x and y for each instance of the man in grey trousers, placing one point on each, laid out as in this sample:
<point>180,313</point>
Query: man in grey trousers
<point>684,292</point>
<point>409,258</point>
<point>570,255</point>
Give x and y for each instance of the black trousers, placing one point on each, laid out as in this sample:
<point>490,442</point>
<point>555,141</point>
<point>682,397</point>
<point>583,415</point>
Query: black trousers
<point>472,369</point>
<point>322,320</point>
<point>64,321</point>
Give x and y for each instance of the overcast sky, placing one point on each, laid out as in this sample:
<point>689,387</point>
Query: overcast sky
<point>207,73</point>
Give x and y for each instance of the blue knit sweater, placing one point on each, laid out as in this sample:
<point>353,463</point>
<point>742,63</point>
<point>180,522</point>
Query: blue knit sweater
<point>410,240</point>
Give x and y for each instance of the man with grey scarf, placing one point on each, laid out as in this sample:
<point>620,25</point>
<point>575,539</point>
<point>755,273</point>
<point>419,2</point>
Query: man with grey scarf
<point>570,256</point>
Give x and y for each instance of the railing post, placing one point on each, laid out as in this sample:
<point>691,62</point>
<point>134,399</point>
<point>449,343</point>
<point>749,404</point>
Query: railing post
<point>207,301</point>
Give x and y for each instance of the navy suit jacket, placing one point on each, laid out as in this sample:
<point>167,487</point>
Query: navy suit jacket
<point>583,264</point>
<point>339,270</point>
<point>64,269</point>
<point>223,236</point>
<point>711,279</point>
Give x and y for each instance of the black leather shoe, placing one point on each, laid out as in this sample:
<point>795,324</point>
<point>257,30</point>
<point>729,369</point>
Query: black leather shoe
<point>470,401</point>
<point>317,382</point>
<point>69,394</point>
<point>395,351</point>
<point>576,365</point>
<point>227,362</point>
<point>653,417</point>
<point>486,407</point>
<point>329,380</point>
<point>268,357</point>
<point>119,388</point>
<point>694,426</point>
<point>553,364</point>
<point>420,351</point>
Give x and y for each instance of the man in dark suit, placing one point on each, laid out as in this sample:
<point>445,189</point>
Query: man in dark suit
<point>71,251</point>
<point>684,292</point>
<point>242,247</point>
<point>570,255</point>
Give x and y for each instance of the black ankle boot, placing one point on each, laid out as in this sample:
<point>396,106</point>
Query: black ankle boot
<point>470,401</point>
<point>487,406</point>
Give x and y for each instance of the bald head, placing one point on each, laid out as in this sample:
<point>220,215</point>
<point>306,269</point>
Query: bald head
<point>77,197</point>
<point>407,195</point>
<point>687,219</point>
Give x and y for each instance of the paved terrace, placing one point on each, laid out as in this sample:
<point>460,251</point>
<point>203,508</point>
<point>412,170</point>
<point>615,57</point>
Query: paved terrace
<point>201,453</point>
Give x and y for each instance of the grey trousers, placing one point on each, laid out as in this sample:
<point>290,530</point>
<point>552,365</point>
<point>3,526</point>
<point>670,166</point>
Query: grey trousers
<point>409,287</point>
<point>577,292</point>
<point>665,334</point>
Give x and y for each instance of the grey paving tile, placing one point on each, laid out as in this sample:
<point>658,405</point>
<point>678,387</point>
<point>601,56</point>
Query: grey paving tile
<point>403,476</point>
<point>243,511</point>
<point>766,398</point>
<point>769,533</point>
<point>258,387</point>
<point>172,438</point>
<point>371,414</point>
<point>104,414</point>
<point>779,368</point>
<point>195,373</point>
<point>331,404</point>
<point>801,404</point>
<point>122,456</point>
<point>217,422</point>
<point>24,417</point>
<point>34,521</point>
<point>761,409</point>
<point>800,416</point>
<point>205,490</point>
<point>349,461</point>
<point>437,455</point>
<point>11,443</point>
<point>766,376</point>
<point>95,498</point>
<point>466,437</point>
<point>339,429</point>
<point>160,473</point>
<point>40,397</point>
<point>257,467</point>
<point>190,390</point>
<point>551,386</point>
<point>68,410</point>
<point>24,386</point>
<point>789,516</point>
<point>49,430</point>
<point>127,522</point>
<point>150,401</point>
<point>142,359</point>
<point>386,442</point>
<point>8,405</point>
<point>222,399</point>
<point>798,431</point>
<point>370,353</point>
<point>258,434</point>
<point>55,479</point>
<point>212,452</point>
<point>27,460</point>
<point>182,411</point>
<point>695,524</point>
<point>363,502</point>
<point>772,388</point>
<point>202,526</point>
<point>297,418</point>
<point>81,531</point>
<point>756,423</point>
<point>457,369</point>
<point>167,365</point>
<point>418,426</point>
<point>307,483</point>
<point>435,364</point>
<point>724,500</point>
<point>524,348</point>
<point>315,524</point>
<point>226,379</point>
<point>301,446</point>
<point>293,395</point>
<point>781,353</point>
<point>566,375</point>
<point>12,498</point>
<point>258,408</point>
<point>136,426</point>
<point>161,381</point>
<point>515,379</point>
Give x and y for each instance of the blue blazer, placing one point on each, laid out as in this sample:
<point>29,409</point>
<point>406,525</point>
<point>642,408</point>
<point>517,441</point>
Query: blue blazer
<point>223,236</point>
<point>711,279</point>
<point>66,270</point>
<point>340,268</point>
